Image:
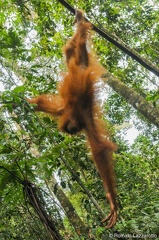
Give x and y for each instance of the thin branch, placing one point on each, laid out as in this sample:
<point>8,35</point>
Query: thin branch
<point>12,174</point>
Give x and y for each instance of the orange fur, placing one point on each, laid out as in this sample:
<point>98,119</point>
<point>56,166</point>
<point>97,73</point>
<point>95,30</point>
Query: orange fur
<point>77,108</point>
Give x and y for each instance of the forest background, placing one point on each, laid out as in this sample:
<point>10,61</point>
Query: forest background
<point>49,187</point>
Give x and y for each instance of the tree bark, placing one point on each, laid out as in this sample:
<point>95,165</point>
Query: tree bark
<point>76,177</point>
<point>71,213</point>
<point>131,96</point>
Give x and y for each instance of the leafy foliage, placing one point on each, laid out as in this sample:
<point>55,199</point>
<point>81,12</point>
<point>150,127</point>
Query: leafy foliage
<point>31,147</point>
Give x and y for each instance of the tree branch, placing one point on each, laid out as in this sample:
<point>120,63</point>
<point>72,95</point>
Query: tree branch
<point>119,44</point>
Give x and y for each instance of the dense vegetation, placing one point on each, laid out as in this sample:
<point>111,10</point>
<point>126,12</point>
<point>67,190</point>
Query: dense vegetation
<point>49,187</point>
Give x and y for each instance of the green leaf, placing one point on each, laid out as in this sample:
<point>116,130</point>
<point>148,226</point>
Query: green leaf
<point>19,89</point>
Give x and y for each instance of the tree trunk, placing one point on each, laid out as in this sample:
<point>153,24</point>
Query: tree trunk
<point>132,97</point>
<point>77,178</point>
<point>71,213</point>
